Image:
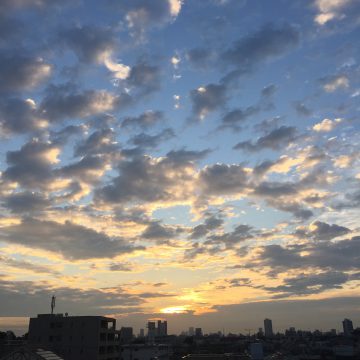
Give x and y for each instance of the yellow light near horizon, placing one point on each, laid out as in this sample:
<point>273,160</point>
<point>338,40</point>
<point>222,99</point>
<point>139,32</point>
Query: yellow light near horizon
<point>174,310</point>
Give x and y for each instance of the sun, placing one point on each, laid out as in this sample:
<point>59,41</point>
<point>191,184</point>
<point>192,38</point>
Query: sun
<point>175,310</point>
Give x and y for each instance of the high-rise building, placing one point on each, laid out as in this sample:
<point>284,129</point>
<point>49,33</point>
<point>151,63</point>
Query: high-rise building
<point>76,337</point>
<point>268,328</point>
<point>191,331</point>
<point>162,328</point>
<point>151,326</point>
<point>348,327</point>
<point>126,335</point>
<point>142,333</point>
<point>198,332</point>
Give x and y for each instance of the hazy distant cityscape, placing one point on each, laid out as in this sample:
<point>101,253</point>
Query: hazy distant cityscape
<point>60,336</point>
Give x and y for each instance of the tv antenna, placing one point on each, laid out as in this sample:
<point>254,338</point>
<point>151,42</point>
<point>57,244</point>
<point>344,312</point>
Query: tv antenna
<point>53,299</point>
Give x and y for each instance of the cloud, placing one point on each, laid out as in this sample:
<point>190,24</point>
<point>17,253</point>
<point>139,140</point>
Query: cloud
<point>200,58</point>
<point>26,265</point>
<point>233,119</point>
<point>26,202</point>
<point>117,266</point>
<point>268,42</point>
<point>326,125</point>
<point>147,179</point>
<point>20,116</point>
<point>275,140</point>
<point>340,255</point>
<point>145,141</point>
<point>94,44</point>
<point>144,121</point>
<point>329,10</point>
<point>306,284</point>
<point>221,179</point>
<point>78,301</point>
<point>142,14</point>
<point>144,79</point>
<point>302,110</point>
<point>322,231</point>
<point>335,82</point>
<point>229,239</point>
<point>206,99</point>
<point>72,241</point>
<point>31,166</point>
<point>211,223</point>
<point>20,72</point>
<point>99,142</point>
<point>66,102</point>
<point>160,233</point>
<point>184,156</point>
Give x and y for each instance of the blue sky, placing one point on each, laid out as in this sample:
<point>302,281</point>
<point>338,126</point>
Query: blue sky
<point>182,159</point>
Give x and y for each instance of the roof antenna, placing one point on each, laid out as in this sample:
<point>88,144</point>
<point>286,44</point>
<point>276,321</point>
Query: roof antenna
<point>53,299</point>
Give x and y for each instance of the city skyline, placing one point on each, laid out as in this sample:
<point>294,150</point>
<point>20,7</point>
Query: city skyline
<point>195,161</point>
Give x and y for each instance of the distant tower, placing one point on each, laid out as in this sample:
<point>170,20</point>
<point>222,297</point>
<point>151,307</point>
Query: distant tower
<point>162,328</point>
<point>53,299</point>
<point>268,328</point>
<point>348,327</point>
<point>198,332</point>
<point>151,331</point>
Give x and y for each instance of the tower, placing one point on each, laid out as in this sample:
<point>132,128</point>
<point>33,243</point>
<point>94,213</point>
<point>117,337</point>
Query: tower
<point>268,328</point>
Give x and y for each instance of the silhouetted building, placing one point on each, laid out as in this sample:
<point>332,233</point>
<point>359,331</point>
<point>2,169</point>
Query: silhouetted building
<point>162,328</point>
<point>198,332</point>
<point>146,352</point>
<point>126,335</point>
<point>348,327</point>
<point>76,337</point>
<point>151,326</point>
<point>191,331</point>
<point>268,328</point>
<point>142,333</point>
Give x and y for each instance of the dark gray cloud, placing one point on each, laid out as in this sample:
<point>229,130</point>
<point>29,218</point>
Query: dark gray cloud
<point>322,231</point>
<point>18,115</point>
<point>27,265</point>
<point>20,72</point>
<point>144,79</point>
<point>99,142</point>
<point>160,233</point>
<point>223,179</point>
<point>26,202</point>
<point>119,266</point>
<point>276,189</point>
<point>144,179</point>
<point>88,169</point>
<point>146,141</point>
<point>90,43</point>
<point>200,58</point>
<point>31,166</point>
<point>207,99</point>
<point>72,300</point>
<point>275,140</point>
<point>302,110</point>
<point>184,156</point>
<point>143,121</point>
<point>64,135</point>
<point>67,102</point>
<point>310,284</point>
<point>342,255</point>
<point>70,240</point>
<point>268,42</point>
<point>229,239</point>
<point>235,118</point>
<point>211,223</point>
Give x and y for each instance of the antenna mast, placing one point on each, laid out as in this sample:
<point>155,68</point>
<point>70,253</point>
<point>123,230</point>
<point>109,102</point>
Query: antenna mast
<point>53,299</point>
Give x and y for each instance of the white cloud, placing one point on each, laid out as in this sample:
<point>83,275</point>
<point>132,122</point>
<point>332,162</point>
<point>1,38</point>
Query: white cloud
<point>326,125</point>
<point>337,82</point>
<point>329,10</point>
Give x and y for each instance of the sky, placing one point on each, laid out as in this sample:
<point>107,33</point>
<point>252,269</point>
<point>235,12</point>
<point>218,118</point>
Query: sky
<point>192,160</point>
